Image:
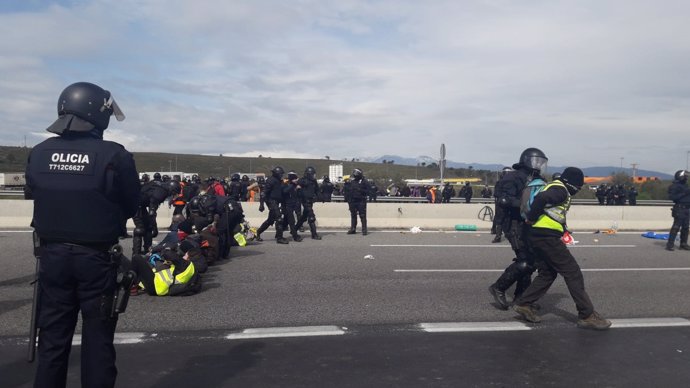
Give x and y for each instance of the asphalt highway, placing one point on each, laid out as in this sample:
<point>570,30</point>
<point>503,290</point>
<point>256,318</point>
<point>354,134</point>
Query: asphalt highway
<point>318,313</point>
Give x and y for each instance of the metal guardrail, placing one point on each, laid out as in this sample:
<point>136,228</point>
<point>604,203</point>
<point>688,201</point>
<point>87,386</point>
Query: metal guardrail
<point>486,201</point>
<point>490,201</point>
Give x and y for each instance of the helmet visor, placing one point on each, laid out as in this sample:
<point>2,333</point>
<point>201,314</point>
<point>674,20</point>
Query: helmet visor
<point>111,104</point>
<point>537,163</point>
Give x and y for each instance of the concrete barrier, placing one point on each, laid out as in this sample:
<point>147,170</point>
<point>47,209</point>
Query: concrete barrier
<point>17,214</point>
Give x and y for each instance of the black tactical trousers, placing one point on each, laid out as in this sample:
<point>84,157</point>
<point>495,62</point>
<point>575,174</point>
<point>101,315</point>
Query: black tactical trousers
<point>73,278</point>
<point>274,217</point>
<point>358,207</point>
<point>554,258</point>
<point>681,221</point>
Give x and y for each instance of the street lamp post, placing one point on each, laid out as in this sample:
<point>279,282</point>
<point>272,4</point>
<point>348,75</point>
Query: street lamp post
<point>169,165</point>
<point>687,158</point>
<point>622,163</point>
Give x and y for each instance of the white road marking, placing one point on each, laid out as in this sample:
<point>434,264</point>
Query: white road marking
<point>489,246</point>
<point>280,332</point>
<point>583,270</point>
<point>120,338</point>
<point>451,327</point>
<point>648,322</point>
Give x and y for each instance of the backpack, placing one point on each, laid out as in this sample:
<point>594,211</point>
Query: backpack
<point>530,191</point>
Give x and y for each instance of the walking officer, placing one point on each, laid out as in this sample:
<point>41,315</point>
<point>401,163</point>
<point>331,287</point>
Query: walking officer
<point>84,189</point>
<point>309,193</point>
<point>272,195</point>
<point>679,193</point>
<point>532,165</point>
<point>356,192</point>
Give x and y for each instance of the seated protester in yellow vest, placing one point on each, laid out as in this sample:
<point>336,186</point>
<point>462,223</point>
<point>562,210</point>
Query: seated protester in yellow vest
<point>166,273</point>
<point>190,248</point>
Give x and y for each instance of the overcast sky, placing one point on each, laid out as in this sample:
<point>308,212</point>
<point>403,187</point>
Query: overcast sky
<point>588,82</point>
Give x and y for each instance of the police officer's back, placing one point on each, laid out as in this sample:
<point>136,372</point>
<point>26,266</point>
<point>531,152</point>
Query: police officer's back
<point>84,190</point>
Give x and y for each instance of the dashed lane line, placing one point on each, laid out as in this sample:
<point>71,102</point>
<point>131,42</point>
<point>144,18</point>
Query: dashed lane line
<point>648,322</point>
<point>454,327</point>
<point>133,338</point>
<point>583,270</point>
<point>282,332</point>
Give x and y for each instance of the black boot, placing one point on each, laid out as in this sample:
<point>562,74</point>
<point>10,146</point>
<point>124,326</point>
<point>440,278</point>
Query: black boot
<point>364,227</point>
<point>671,238</point>
<point>353,224</point>
<point>499,297</point>
<point>297,237</point>
<point>312,229</point>
<point>684,240</point>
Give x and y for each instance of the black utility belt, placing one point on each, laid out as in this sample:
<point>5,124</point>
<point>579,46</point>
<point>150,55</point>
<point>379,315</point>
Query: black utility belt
<point>99,247</point>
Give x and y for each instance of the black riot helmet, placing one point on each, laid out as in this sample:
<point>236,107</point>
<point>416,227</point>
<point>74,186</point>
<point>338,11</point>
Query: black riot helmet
<point>357,174</point>
<point>235,177</point>
<point>573,178</point>
<point>292,175</point>
<point>166,177</point>
<point>260,180</point>
<point>245,178</point>
<point>310,172</point>
<point>157,176</point>
<point>533,159</point>
<point>145,178</point>
<point>278,172</point>
<point>83,107</point>
<point>174,187</point>
<point>505,170</point>
<point>555,176</point>
<point>196,179</point>
<point>681,176</point>
<point>326,178</point>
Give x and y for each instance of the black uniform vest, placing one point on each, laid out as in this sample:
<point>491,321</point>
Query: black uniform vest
<point>73,184</point>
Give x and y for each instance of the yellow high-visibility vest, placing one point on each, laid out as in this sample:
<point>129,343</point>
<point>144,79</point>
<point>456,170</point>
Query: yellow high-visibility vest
<point>163,279</point>
<point>554,215</point>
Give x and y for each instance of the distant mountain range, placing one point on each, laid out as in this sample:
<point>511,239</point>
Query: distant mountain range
<point>589,171</point>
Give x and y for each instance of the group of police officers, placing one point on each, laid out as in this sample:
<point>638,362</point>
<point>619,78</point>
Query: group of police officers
<point>78,270</point>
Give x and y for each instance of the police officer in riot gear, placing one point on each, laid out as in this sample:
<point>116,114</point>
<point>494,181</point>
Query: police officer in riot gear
<point>151,195</point>
<point>356,193</point>
<point>679,193</point>
<point>292,205</point>
<point>309,193</point>
<point>532,165</point>
<point>236,190</point>
<point>497,226</point>
<point>272,196</point>
<point>157,177</point>
<point>144,178</point>
<point>84,190</point>
<point>326,189</point>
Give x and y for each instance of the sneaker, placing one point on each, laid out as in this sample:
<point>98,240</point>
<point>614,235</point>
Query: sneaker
<point>684,247</point>
<point>499,297</point>
<point>594,322</point>
<point>297,238</point>
<point>351,231</point>
<point>527,312</point>
<point>282,241</point>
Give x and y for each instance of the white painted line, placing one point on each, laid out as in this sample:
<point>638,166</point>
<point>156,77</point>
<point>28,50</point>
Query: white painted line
<point>648,322</point>
<point>489,246</point>
<point>281,332</point>
<point>453,327</point>
<point>120,339</point>
<point>583,270</point>
<point>16,231</point>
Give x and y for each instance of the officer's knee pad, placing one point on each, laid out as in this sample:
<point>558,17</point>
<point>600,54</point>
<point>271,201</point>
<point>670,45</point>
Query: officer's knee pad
<point>524,267</point>
<point>139,232</point>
